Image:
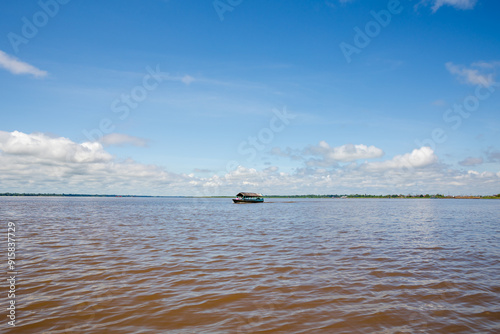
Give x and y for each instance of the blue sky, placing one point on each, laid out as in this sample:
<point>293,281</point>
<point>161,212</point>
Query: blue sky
<point>279,97</point>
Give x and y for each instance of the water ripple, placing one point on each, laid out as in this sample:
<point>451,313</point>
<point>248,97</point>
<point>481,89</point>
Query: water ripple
<point>146,265</point>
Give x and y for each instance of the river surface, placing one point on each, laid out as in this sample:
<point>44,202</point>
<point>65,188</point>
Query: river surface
<point>181,265</point>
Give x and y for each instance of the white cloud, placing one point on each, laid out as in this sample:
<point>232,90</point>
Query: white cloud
<point>345,153</point>
<point>418,158</point>
<point>16,66</point>
<point>119,139</point>
<point>458,4</point>
<point>470,75</point>
<point>41,146</point>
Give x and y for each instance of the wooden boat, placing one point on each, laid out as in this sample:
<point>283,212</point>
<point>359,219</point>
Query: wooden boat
<point>248,198</point>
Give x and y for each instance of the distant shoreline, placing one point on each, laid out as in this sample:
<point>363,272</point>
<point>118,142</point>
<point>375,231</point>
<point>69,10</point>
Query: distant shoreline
<point>436,196</point>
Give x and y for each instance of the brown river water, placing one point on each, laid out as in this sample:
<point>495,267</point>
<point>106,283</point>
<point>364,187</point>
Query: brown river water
<point>182,265</point>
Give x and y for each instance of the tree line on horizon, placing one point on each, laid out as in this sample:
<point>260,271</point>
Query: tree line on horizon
<point>384,196</point>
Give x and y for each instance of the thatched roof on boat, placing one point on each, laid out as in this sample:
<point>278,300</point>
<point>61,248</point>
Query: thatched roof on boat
<point>248,195</point>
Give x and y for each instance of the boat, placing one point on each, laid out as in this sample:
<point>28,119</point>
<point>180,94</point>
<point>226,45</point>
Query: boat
<point>248,198</point>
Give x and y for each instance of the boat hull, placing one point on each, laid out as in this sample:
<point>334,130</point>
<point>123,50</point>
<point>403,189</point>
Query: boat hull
<point>247,200</point>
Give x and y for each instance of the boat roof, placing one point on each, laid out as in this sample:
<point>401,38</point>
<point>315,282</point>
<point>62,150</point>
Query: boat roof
<point>248,195</point>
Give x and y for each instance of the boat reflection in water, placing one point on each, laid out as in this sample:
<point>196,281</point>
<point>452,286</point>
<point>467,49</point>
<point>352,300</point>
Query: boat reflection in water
<point>248,198</point>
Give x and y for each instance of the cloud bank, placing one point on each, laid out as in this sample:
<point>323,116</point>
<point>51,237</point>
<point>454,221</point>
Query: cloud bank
<point>40,163</point>
<point>45,164</point>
